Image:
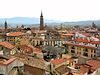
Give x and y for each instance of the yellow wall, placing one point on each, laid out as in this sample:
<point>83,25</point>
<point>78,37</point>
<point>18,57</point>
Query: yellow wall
<point>12,39</point>
<point>80,50</point>
<point>23,41</point>
<point>13,51</point>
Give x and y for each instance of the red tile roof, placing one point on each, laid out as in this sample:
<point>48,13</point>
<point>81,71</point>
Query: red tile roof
<point>95,42</point>
<point>84,69</point>
<point>7,62</point>
<point>7,45</point>
<point>98,37</point>
<point>31,61</point>
<point>26,48</point>
<point>58,61</point>
<point>86,34</point>
<point>68,35</point>
<point>94,63</point>
<point>37,51</point>
<point>63,69</point>
<point>15,34</point>
<point>84,40</point>
<point>78,45</point>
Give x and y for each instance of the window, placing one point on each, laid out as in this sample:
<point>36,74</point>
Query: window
<point>96,45</point>
<point>72,51</point>
<point>85,54</point>
<point>1,48</point>
<point>86,50</point>
<point>91,50</point>
<point>94,55</point>
<point>94,51</point>
<point>73,47</point>
<point>72,63</point>
<point>91,56</point>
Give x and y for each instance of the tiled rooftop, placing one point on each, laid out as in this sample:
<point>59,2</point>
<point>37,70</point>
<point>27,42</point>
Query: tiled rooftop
<point>62,69</point>
<point>68,35</point>
<point>79,45</point>
<point>7,45</point>
<point>58,61</point>
<point>96,42</point>
<point>86,34</point>
<point>37,50</point>
<point>94,63</point>
<point>26,48</point>
<point>6,61</point>
<point>15,34</point>
<point>35,62</point>
<point>84,68</point>
<point>84,40</point>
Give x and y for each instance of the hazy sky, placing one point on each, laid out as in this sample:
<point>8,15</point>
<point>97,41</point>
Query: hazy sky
<point>64,10</point>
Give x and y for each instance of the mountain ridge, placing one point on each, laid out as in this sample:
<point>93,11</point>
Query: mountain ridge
<point>87,22</point>
<point>32,20</point>
<point>25,20</point>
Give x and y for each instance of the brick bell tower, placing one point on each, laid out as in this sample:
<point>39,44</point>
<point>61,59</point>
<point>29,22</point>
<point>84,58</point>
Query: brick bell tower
<point>41,22</point>
<point>5,26</point>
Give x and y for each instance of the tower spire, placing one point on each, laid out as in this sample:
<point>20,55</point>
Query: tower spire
<point>41,14</point>
<point>5,25</point>
<point>41,22</point>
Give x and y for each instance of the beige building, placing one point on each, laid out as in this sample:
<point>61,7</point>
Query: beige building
<point>81,50</point>
<point>7,48</point>
<point>33,65</point>
<point>62,66</point>
<point>23,41</point>
<point>36,41</point>
<point>8,66</point>
<point>13,37</point>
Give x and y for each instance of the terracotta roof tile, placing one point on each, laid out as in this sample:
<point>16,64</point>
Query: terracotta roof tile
<point>94,63</point>
<point>15,34</point>
<point>95,42</point>
<point>86,34</point>
<point>36,50</point>
<point>84,46</point>
<point>84,40</point>
<point>84,68</point>
<point>26,48</point>
<point>8,61</point>
<point>98,37</point>
<point>7,45</point>
<point>62,69</point>
<point>58,61</point>
<point>34,62</point>
<point>67,34</point>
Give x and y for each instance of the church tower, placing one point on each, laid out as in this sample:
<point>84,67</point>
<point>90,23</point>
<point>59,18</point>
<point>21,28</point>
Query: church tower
<point>5,26</point>
<point>41,22</point>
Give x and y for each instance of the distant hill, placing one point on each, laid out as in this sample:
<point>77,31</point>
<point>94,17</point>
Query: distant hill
<point>25,20</point>
<point>83,23</point>
<point>35,21</point>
